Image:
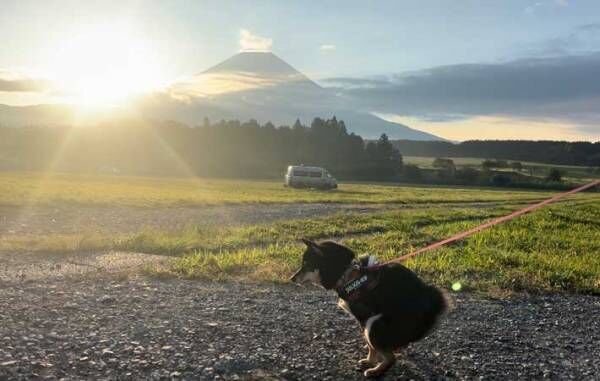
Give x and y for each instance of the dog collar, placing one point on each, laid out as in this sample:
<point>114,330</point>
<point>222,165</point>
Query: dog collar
<point>351,274</point>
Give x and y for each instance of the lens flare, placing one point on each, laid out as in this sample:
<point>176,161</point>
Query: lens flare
<point>456,286</point>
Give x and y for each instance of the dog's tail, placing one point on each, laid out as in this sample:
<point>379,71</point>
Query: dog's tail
<point>441,302</point>
<point>438,305</point>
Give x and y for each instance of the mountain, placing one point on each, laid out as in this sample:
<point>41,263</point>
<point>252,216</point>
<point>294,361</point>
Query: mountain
<point>262,86</point>
<point>265,64</point>
<point>248,85</point>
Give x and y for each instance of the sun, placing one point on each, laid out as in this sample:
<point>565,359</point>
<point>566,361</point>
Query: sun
<point>105,65</point>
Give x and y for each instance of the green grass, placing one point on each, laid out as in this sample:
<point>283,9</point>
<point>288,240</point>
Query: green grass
<point>226,238</point>
<point>555,249</point>
<point>23,189</point>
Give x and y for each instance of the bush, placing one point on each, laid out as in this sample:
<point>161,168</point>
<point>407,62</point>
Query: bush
<point>500,180</point>
<point>467,175</point>
<point>554,176</point>
<point>412,172</point>
<point>488,164</point>
<point>443,163</point>
<point>516,165</point>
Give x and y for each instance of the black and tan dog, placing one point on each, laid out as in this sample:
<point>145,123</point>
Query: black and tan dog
<point>393,306</point>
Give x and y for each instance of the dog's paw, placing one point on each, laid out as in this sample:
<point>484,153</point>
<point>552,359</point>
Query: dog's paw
<point>364,363</point>
<point>373,372</point>
<point>380,369</point>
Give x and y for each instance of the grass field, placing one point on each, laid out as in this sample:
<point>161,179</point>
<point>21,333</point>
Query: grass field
<point>570,172</point>
<point>19,189</point>
<point>554,249</point>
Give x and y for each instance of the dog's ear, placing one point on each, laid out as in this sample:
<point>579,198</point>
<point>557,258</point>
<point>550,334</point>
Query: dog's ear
<point>336,258</point>
<point>312,245</point>
<point>308,242</point>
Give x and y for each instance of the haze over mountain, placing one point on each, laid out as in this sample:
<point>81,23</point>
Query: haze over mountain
<point>262,86</point>
<point>249,85</point>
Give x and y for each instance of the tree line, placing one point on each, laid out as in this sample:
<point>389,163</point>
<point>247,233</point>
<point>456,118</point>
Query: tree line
<point>221,149</point>
<point>543,151</point>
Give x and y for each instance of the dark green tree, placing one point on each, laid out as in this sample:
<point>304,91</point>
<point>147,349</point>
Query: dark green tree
<point>554,175</point>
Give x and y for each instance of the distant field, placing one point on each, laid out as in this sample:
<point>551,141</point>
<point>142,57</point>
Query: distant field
<point>426,162</point>
<point>537,169</point>
<point>19,189</point>
<point>464,161</point>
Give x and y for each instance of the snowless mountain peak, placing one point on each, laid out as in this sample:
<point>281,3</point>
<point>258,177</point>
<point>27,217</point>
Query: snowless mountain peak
<point>256,62</point>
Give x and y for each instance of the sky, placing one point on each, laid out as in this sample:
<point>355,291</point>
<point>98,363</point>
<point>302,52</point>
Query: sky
<point>457,68</point>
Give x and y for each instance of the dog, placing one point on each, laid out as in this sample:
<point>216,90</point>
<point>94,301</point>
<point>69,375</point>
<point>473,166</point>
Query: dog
<point>392,305</point>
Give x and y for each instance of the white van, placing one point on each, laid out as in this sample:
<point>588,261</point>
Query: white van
<point>299,176</point>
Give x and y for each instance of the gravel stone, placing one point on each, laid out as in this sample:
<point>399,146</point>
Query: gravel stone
<point>178,329</point>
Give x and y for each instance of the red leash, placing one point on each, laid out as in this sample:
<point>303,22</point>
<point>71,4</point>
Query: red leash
<point>491,223</point>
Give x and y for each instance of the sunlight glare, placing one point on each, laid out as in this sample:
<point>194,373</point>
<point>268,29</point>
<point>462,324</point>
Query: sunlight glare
<point>106,65</point>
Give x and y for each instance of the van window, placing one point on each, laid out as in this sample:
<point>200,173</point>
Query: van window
<point>300,173</point>
<point>315,174</point>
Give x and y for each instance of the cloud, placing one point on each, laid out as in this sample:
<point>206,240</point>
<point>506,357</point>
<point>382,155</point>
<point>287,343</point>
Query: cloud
<point>252,42</point>
<point>326,47</point>
<point>590,27</point>
<point>543,89</point>
<point>547,4</point>
<point>357,83</point>
<point>12,82</point>
<point>581,40</point>
<point>532,8</point>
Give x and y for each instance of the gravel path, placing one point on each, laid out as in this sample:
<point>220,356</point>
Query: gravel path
<point>36,266</point>
<point>38,220</point>
<point>74,219</point>
<point>137,328</point>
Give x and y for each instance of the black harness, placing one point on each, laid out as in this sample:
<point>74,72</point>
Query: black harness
<point>358,281</point>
